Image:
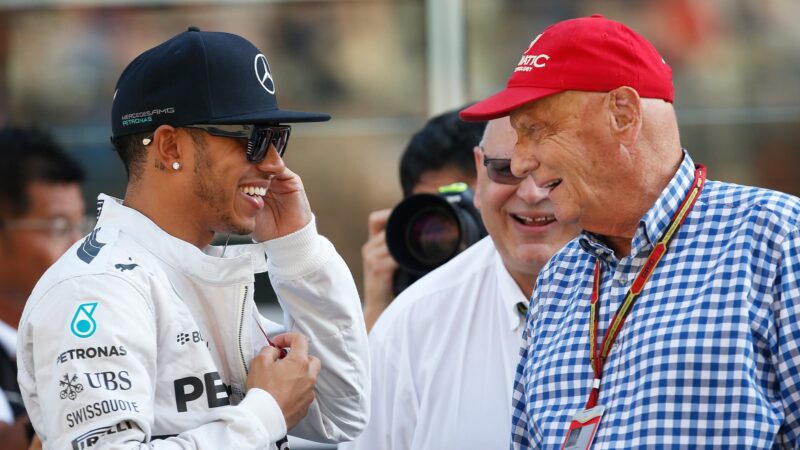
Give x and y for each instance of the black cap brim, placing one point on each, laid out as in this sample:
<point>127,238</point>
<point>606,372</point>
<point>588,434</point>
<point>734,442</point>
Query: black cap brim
<point>278,115</point>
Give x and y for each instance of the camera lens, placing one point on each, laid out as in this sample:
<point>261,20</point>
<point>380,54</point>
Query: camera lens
<point>433,236</point>
<point>425,230</point>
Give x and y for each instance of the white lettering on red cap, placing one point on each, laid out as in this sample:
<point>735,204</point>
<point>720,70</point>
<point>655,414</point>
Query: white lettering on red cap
<point>533,42</point>
<point>530,62</point>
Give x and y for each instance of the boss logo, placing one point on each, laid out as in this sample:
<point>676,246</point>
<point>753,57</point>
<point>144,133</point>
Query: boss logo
<point>191,388</point>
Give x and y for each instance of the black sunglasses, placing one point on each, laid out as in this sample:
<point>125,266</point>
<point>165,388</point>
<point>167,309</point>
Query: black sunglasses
<point>259,137</point>
<point>499,170</point>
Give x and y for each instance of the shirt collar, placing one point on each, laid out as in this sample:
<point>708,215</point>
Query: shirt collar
<point>510,293</point>
<point>655,221</point>
<point>238,265</point>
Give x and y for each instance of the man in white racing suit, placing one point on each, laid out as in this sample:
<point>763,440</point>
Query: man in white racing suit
<point>143,335</point>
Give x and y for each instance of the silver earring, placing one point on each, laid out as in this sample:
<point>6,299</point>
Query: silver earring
<point>176,165</point>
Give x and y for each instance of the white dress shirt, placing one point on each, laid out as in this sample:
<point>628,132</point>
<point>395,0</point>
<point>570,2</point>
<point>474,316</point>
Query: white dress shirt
<point>443,359</point>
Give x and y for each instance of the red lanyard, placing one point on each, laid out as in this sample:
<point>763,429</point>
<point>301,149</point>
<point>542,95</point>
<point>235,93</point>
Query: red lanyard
<point>599,354</point>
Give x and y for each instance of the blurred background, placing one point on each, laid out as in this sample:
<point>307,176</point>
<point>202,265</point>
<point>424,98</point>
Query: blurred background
<point>381,67</point>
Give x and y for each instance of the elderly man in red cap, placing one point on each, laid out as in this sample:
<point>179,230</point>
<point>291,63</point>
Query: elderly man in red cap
<point>673,321</point>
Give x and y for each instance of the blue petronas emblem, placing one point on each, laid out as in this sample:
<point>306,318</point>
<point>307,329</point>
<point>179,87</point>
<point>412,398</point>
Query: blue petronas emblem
<point>83,324</point>
<point>90,247</point>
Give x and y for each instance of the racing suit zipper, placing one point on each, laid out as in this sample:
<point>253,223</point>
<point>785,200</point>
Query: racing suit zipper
<point>240,328</point>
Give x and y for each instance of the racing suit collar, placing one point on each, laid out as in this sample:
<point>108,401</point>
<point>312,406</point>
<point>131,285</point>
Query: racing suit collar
<point>238,265</point>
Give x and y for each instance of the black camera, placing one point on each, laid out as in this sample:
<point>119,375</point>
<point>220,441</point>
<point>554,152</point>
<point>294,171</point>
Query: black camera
<point>425,231</point>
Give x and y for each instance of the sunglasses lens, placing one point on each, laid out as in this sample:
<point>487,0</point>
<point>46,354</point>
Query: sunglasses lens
<point>257,147</point>
<point>259,143</point>
<point>499,171</point>
<point>280,137</point>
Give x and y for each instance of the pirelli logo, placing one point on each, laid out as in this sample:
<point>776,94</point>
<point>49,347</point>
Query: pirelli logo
<point>88,439</point>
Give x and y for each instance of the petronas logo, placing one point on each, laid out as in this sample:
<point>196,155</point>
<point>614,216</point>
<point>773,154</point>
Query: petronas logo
<point>83,324</point>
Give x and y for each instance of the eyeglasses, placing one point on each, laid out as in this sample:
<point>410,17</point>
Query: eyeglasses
<point>259,137</point>
<point>499,170</point>
<point>56,228</point>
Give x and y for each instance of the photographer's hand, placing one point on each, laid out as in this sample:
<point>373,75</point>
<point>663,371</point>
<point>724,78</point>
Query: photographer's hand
<point>286,208</point>
<point>290,380</point>
<point>379,268</point>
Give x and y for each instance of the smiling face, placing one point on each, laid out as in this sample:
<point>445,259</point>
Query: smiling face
<point>519,217</point>
<point>565,143</point>
<point>228,191</point>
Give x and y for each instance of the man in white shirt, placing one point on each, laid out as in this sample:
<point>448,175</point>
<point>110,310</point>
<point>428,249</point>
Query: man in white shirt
<point>444,352</point>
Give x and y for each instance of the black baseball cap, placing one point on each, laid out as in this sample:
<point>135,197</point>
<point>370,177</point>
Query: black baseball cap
<point>199,77</point>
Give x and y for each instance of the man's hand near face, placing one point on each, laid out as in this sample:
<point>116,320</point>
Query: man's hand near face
<point>286,208</point>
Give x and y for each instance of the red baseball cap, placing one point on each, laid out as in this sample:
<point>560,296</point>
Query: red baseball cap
<point>584,54</point>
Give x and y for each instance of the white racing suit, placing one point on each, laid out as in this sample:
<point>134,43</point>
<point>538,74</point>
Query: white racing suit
<point>136,339</point>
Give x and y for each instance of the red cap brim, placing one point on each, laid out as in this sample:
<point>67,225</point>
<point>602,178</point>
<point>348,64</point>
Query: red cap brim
<point>505,101</point>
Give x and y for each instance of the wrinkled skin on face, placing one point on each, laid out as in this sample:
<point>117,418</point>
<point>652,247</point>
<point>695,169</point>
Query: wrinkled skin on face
<point>604,156</point>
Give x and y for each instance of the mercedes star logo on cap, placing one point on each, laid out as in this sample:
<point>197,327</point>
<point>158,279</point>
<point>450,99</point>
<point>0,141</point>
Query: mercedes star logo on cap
<point>263,74</point>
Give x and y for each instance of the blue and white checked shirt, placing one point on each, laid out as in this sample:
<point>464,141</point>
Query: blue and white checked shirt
<point>710,353</point>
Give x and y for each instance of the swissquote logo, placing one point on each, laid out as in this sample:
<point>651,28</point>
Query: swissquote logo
<point>263,73</point>
<point>530,62</point>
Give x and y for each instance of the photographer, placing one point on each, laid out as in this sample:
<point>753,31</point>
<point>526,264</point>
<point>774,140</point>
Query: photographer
<point>437,155</point>
<point>444,352</point>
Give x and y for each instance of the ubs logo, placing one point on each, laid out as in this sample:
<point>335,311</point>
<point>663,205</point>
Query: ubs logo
<point>71,387</point>
<point>110,381</point>
<point>263,74</point>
